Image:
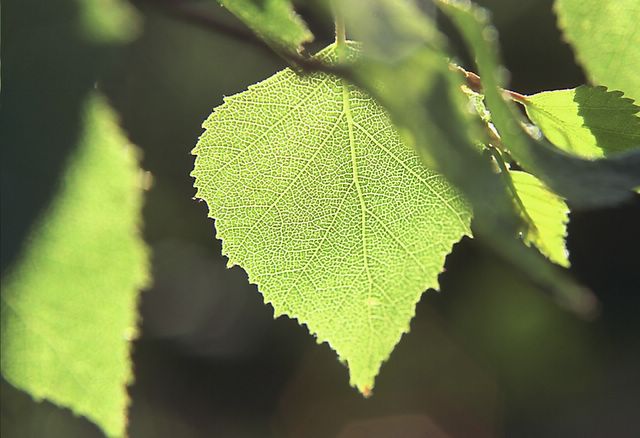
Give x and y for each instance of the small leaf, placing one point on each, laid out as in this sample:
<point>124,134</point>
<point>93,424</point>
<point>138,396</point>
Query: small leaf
<point>69,303</point>
<point>587,121</point>
<point>273,20</point>
<point>606,39</point>
<point>337,222</point>
<point>548,215</point>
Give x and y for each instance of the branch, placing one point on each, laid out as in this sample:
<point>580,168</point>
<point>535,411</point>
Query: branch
<point>184,10</point>
<point>474,83</point>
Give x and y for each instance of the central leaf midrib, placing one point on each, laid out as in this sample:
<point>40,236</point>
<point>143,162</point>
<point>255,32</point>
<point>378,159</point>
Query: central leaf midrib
<point>346,104</point>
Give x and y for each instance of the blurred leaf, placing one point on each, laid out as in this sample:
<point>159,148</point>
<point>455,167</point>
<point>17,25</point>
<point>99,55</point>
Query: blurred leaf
<point>387,29</point>
<point>584,183</point>
<point>606,40</point>
<point>69,303</point>
<point>108,21</point>
<point>53,53</point>
<point>548,215</point>
<point>337,222</point>
<point>587,121</point>
<point>273,20</point>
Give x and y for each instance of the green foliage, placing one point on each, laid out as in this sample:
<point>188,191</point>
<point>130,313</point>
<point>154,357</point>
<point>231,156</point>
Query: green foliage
<point>335,220</point>
<point>69,303</point>
<point>387,29</point>
<point>340,194</point>
<point>585,183</point>
<point>107,21</point>
<point>605,37</point>
<point>71,276</point>
<point>587,121</point>
<point>547,213</point>
<point>424,101</point>
<point>273,20</point>
<point>423,97</point>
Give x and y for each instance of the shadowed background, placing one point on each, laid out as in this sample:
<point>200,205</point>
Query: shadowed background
<point>488,356</point>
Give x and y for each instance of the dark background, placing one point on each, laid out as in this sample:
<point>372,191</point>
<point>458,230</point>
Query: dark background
<point>489,356</point>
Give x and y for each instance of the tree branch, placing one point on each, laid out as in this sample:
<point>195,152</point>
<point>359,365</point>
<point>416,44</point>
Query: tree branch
<point>184,10</point>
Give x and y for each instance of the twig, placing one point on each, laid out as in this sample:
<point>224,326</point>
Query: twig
<point>474,83</point>
<point>183,10</point>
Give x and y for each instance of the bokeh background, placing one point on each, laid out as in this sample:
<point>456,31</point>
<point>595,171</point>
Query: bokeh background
<point>491,355</point>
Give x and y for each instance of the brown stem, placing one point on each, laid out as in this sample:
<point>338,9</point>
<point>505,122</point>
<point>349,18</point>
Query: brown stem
<point>183,10</point>
<point>475,84</point>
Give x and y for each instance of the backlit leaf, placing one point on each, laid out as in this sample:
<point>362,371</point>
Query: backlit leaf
<point>273,20</point>
<point>69,302</point>
<point>584,183</point>
<point>338,223</point>
<point>108,21</point>
<point>548,215</point>
<point>587,121</point>
<point>606,37</point>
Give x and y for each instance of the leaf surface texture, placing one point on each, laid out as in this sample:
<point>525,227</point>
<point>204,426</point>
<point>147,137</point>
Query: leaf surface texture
<point>548,215</point>
<point>606,37</point>
<point>587,121</point>
<point>338,222</point>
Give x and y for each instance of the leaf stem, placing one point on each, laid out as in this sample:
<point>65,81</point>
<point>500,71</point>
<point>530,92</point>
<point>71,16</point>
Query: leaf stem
<point>341,34</point>
<point>473,82</point>
<point>504,170</point>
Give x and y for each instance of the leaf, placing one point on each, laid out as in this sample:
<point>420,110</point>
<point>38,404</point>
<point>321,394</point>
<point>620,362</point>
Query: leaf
<point>548,215</point>
<point>69,303</point>
<point>387,29</point>
<point>68,53</point>
<point>587,121</point>
<point>606,38</point>
<point>108,21</point>
<point>337,222</point>
<point>273,20</point>
<point>584,183</point>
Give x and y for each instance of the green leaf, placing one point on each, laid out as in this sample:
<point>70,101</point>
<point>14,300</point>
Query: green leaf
<point>387,29</point>
<point>587,121</point>
<point>273,20</point>
<point>585,183</point>
<point>107,21</point>
<point>337,222</point>
<point>69,302</point>
<point>548,215</point>
<point>606,39</point>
